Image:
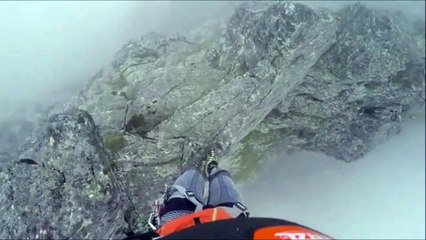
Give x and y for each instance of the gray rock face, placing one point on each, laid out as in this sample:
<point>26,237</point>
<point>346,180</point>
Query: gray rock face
<point>60,184</point>
<point>228,113</point>
<point>258,32</point>
<point>359,91</point>
<point>337,83</point>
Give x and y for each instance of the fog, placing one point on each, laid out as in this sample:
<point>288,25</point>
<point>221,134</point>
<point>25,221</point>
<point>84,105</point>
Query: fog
<point>381,196</point>
<point>50,49</point>
<point>414,9</point>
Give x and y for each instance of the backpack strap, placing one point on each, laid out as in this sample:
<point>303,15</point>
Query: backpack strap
<point>149,235</point>
<point>177,191</point>
<point>238,210</point>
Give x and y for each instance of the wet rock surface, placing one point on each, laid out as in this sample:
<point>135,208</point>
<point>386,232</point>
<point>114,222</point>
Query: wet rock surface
<point>339,83</point>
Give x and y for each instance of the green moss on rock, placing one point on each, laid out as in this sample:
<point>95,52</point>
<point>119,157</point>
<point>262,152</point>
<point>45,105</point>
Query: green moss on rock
<point>250,161</point>
<point>251,155</point>
<point>114,142</point>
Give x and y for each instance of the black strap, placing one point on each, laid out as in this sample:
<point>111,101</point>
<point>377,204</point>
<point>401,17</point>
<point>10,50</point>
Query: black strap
<point>143,236</point>
<point>197,220</point>
<point>177,204</point>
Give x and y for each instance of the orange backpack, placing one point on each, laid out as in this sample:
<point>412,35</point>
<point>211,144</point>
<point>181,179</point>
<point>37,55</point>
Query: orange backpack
<point>200,217</point>
<point>247,228</point>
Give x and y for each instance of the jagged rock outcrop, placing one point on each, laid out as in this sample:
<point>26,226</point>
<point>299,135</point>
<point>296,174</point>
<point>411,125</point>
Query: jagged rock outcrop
<point>61,183</point>
<point>337,83</point>
<point>359,91</point>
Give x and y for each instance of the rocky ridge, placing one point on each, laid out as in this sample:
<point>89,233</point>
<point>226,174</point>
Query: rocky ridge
<point>333,82</point>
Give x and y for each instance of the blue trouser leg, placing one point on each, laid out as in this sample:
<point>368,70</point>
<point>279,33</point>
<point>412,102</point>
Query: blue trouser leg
<point>222,191</point>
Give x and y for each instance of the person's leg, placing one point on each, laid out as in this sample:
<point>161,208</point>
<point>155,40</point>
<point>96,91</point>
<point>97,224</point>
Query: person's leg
<point>222,189</point>
<point>191,180</point>
<point>175,203</point>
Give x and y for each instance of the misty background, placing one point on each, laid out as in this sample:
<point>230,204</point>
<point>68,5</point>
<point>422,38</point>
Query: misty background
<point>50,49</point>
<point>380,196</point>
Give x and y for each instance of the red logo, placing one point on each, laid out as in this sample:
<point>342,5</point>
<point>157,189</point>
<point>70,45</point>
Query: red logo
<point>288,233</point>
